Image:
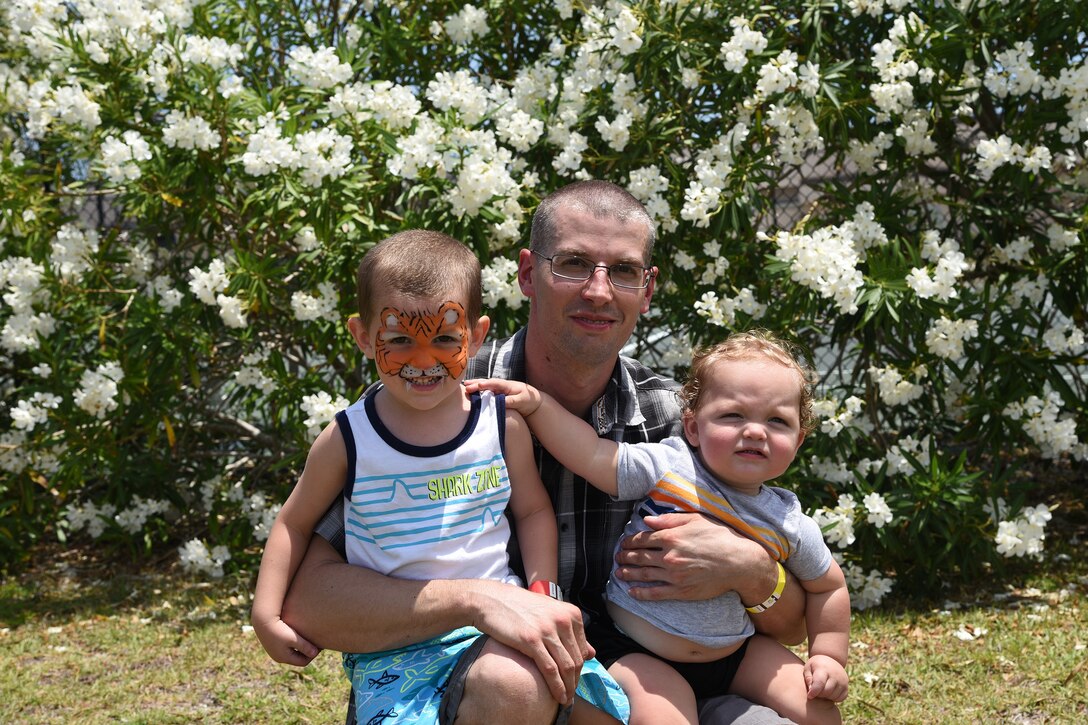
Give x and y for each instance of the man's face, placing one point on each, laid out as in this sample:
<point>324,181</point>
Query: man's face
<point>586,322</point>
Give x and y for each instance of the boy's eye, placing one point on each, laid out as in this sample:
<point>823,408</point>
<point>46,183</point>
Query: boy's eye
<point>447,340</point>
<point>398,340</point>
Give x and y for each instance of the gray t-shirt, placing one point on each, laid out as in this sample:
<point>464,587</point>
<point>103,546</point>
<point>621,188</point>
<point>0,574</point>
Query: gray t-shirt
<point>673,479</point>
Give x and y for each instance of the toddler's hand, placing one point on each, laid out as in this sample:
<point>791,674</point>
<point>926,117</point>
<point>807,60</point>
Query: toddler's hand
<point>825,678</point>
<point>523,398</point>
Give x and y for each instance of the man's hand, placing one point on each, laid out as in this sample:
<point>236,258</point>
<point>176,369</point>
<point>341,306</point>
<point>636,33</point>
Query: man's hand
<point>547,630</point>
<point>825,677</point>
<point>693,557</point>
<point>284,644</point>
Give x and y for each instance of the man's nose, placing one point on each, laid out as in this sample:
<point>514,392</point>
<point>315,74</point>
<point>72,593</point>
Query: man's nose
<point>598,286</point>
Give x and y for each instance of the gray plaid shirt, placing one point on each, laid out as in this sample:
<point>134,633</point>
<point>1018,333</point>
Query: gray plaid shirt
<point>638,405</point>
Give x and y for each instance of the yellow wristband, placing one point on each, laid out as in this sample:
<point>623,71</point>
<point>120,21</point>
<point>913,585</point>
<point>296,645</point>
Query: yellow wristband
<point>775,595</point>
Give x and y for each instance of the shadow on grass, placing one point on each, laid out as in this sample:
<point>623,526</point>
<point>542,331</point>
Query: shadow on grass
<point>65,583</point>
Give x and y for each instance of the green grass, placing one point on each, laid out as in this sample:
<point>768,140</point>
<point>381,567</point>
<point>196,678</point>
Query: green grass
<point>96,642</point>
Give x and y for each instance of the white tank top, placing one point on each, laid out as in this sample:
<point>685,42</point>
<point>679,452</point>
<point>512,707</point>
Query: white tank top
<point>434,512</point>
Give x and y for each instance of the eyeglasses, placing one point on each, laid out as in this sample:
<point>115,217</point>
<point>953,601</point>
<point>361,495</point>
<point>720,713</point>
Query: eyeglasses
<point>579,269</point>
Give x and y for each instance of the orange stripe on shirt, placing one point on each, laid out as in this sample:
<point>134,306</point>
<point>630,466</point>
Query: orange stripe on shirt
<point>684,495</point>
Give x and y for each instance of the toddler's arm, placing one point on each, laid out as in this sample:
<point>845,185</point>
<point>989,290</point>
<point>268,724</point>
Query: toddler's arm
<point>572,441</point>
<point>827,613</point>
<point>320,482</point>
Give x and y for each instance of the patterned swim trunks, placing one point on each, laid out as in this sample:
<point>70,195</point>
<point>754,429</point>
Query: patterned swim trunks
<point>406,685</point>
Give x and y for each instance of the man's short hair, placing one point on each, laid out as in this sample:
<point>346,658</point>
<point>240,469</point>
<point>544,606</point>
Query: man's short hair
<point>602,199</point>
<point>420,264</point>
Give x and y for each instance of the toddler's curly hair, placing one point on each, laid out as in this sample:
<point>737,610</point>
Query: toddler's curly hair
<point>753,344</point>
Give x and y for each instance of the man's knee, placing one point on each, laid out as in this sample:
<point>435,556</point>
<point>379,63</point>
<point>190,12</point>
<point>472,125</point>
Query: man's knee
<point>504,685</point>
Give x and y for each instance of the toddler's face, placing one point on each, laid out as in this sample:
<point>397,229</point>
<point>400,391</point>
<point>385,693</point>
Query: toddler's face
<point>747,426</point>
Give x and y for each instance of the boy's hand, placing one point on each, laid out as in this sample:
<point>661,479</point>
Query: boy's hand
<point>825,678</point>
<point>523,398</point>
<point>283,644</point>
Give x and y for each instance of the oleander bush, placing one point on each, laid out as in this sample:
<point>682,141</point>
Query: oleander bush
<point>188,186</point>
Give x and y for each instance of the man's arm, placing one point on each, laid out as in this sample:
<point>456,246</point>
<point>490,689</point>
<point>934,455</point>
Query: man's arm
<point>698,559</point>
<point>353,609</point>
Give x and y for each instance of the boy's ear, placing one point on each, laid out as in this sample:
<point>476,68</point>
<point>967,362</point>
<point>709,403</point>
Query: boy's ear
<point>358,332</point>
<point>478,334</point>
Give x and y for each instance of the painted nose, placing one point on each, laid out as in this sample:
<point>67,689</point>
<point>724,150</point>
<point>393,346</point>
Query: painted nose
<point>423,360</point>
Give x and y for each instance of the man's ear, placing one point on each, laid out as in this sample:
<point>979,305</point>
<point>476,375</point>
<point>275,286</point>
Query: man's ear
<point>648,293</point>
<point>526,262</point>
<point>358,333</point>
<point>478,334</point>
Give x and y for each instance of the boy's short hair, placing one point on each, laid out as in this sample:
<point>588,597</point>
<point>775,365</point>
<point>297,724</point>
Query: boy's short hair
<point>421,264</point>
<point>602,199</point>
<point>754,344</point>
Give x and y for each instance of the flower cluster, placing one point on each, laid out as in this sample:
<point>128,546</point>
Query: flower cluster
<point>1022,536</point>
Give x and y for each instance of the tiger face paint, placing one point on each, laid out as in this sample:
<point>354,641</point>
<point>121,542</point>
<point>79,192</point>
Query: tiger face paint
<point>423,344</point>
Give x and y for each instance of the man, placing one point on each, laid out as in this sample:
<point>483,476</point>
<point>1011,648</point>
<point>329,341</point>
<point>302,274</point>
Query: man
<point>579,319</point>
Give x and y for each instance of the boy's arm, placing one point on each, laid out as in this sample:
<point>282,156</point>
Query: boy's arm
<point>534,516</point>
<point>320,482</point>
<point>572,441</point>
<point>828,615</point>
<point>354,609</point>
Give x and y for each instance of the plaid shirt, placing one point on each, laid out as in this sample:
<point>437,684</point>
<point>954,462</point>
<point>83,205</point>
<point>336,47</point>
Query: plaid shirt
<point>638,405</point>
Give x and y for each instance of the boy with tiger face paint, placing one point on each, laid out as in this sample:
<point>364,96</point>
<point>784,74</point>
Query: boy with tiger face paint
<point>431,479</point>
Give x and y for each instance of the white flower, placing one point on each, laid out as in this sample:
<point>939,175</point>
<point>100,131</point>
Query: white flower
<point>519,129</point>
<point>26,414</point>
<point>893,388</point>
<point>317,69</point>
<point>945,338</point>
<point>306,240</point>
<point>466,25</point>
<point>625,31</point>
<point>232,311</point>
<point>90,517</point>
<point>617,132</point>
<point>1054,432</point>
<point>72,251</point>
<point>825,261</point>
<point>98,389</point>
<point>460,92</point>
<point>500,284</point>
<point>213,52</point>
<point>206,285</point>
<point>120,156</point>
<point>837,524</point>
<point>320,409</point>
<point>744,43</point>
<point>879,513</point>
<point>188,132</point>
<point>195,557</point>
<point>866,590</point>
<point>320,307</point>
<point>133,518</point>
<point>835,421</point>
